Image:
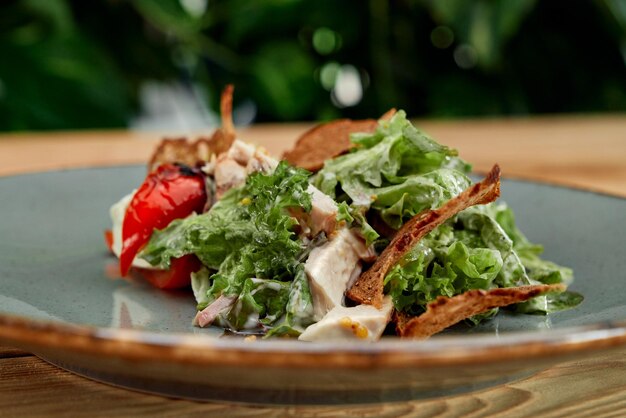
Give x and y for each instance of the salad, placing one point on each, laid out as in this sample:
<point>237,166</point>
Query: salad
<point>363,227</point>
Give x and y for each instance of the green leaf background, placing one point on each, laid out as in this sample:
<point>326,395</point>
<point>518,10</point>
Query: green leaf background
<point>71,64</point>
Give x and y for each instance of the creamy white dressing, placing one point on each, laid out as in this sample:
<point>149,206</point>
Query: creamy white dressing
<point>265,285</point>
<point>252,321</point>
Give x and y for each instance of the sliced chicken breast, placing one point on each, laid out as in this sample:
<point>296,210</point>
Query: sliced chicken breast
<point>232,167</point>
<point>362,322</point>
<point>331,267</point>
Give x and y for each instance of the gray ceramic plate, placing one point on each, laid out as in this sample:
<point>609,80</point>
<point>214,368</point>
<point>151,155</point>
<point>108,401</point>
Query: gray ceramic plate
<point>60,299</point>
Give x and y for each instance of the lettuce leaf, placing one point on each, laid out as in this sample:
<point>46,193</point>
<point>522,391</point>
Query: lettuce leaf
<point>399,202</point>
<point>536,270</point>
<point>247,241</point>
<point>397,171</point>
<point>298,313</point>
<point>355,216</point>
<point>475,251</point>
<point>450,260</point>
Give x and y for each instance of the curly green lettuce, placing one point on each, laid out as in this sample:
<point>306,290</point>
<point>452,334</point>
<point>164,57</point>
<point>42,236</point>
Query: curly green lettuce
<point>396,172</point>
<point>248,244</point>
<point>474,251</point>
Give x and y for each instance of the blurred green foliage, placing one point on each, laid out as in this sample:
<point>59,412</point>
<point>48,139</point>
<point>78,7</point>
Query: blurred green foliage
<point>72,64</point>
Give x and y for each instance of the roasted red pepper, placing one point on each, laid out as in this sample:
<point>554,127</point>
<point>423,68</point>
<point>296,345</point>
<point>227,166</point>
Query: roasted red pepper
<point>172,191</point>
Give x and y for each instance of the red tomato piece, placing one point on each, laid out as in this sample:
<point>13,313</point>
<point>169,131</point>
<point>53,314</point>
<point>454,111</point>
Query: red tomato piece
<point>177,277</point>
<point>170,192</point>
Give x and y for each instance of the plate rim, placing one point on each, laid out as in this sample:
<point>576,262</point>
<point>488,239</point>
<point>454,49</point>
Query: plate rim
<point>206,350</point>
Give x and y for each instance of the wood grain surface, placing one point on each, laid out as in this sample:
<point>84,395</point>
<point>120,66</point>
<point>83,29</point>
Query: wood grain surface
<point>593,388</point>
<point>587,151</point>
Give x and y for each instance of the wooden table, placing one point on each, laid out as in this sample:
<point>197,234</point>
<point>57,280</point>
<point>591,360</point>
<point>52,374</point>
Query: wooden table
<point>587,151</point>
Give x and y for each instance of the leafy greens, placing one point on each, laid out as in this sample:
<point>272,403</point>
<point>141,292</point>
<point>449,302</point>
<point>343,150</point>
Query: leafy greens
<point>247,241</point>
<point>397,172</point>
<point>250,250</point>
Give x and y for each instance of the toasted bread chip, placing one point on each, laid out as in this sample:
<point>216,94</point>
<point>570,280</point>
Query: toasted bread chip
<point>368,288</point>
<point>445,312</point>
<point>172,150</point>
<point>226,110</point>
<point>328,140</point>
<point>182,150</point>
<point>224,137</point>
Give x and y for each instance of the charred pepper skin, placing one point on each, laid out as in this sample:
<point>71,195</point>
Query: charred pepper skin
<point>170,192</point>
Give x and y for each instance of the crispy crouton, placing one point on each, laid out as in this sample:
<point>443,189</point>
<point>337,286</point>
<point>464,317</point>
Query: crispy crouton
<point>182,150</point>
<point>172,150</point>
<point>223,137</point>
<point>445,312</point>
<point>328,140</point>
<point>368,288</point>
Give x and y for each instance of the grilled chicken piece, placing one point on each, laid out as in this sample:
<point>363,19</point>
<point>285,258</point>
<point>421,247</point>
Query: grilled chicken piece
<point>332,267</point>
<point>321,218</point>
<point>362,322</point>
<point>232,167</point>
<point>228,174</point>
<point>241,152</point>
<point>323,215</point>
